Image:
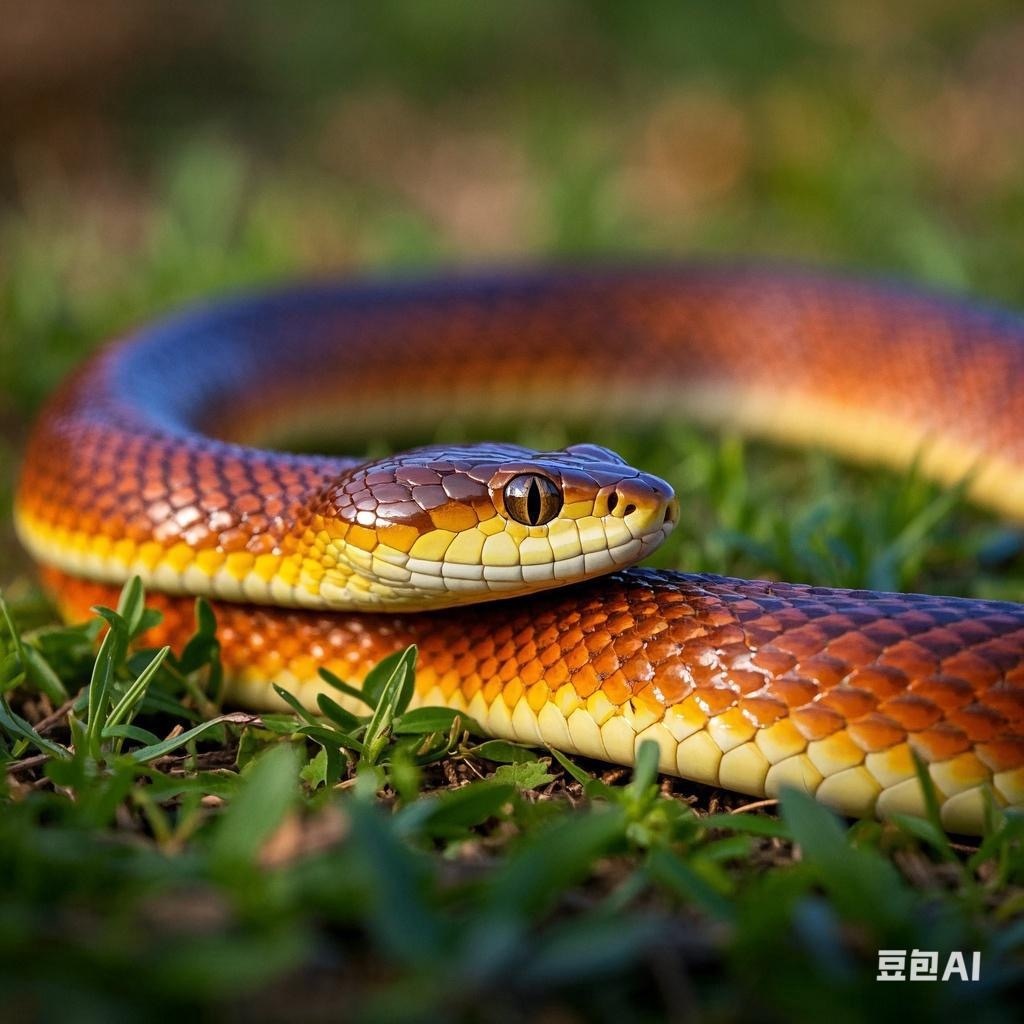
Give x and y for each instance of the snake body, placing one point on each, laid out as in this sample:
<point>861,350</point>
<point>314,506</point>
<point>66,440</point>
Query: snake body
<point>143,462</point>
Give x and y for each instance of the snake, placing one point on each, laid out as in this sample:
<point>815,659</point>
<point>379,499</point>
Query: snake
<point>171,455</point>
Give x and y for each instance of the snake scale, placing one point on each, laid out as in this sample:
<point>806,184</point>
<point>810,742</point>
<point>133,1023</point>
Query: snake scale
<point>146,462</point>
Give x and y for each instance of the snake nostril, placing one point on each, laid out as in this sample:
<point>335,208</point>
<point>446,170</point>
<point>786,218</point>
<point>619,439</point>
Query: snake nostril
<point>629,509</point>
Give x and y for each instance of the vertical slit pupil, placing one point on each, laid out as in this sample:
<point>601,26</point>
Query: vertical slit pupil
<point>533,502</point>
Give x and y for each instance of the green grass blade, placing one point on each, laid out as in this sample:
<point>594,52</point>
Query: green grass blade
<point>269,790</point>
<point>134,694</point>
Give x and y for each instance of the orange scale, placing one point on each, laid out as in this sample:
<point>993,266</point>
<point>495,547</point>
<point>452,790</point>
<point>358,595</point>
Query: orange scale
<point>547,636</point>
<point>853,648</point>
<point>512,692</point>
<point>621,622</point>
<point>442,661</point>
<point>585,681</point>
<point>800,643</point>
<point>491,690</point>
<point>626,646</point>
<point>876,732</point>
<point>815,722</point>
<point>606,662</point>
<point>969,665</point>
<point>884,681</point>
<point>825,670</point>
<point>537,696</point>
<point>572,637</point>
<point>454,517</point>
<point>945,691</point>
<point>729,639</point>
<point>468,685</point>
<point>525,651</point>
<point>577,659</point>
<point>661,650</point>
<point>503,651</point>
<point>638,670</point>
<point>550,656</point>
<point>940,743</point>
<point>911,659</point>
<point>774,661</point>
<point>532,672</point>
<point>303,667</point>
<point>977,721</point>
<point>592,620</point>
<point>763,711</point>
<point>654,626</point>
<point>849,701</point>
<point>793,691</point>
<point>271,663</point>
<point>617,688</point>
<point>289,646</point>
<point>745,680</point>
<point>482,647</point>
<point>911,711</point>
<point>713,700</point>
<point>1009,703</point>
<point>1004,754</point>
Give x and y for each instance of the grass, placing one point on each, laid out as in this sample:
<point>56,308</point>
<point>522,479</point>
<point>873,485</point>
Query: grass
<point>401,865</point>
<point>161,855</point>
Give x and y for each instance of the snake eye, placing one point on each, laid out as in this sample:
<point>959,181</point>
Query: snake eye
<point>532,500</point>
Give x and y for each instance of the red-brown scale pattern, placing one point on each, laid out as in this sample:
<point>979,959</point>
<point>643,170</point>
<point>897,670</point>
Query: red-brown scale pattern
<point>947,674</point>
<point>131,448</point>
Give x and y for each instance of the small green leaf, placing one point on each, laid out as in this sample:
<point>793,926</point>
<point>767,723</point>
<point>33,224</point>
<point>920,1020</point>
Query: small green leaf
<point>936,835</point>
<point>281,723</point>
<point>202,647</point>
<point>645,768</point>
<point>752,824</point>
<point>164,747</point>
<point>331,738</point>
<point>134,694</point>
<point>18,727</point>
<point>342,687</point>
<point>394,699</point>
<point>268,792</point>
<point>503,752</point>
<point>131,606</point>
<point>131,732</point>
<point>422,721</point>
<point>379,676</point>
<point>314,772</point>
<point>40,672</point>
<point>337,714</point>
<point>524,774</point>
<point>573,769</point>
<point>454,811</point>
<point>296,705</point>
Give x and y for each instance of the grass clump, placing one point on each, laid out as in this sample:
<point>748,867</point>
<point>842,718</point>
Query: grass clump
<point>157,857</point>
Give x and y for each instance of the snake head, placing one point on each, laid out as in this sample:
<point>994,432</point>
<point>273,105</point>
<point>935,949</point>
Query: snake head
<point>437,526</point>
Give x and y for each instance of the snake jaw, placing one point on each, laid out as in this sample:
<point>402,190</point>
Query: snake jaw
<point>429,529</point>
